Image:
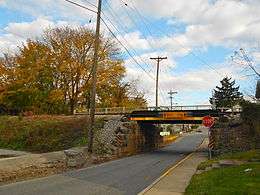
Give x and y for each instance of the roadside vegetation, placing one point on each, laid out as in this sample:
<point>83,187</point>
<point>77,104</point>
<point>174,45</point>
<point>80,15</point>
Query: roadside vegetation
<point>235,168</point>
<point>229,180</point>
<point>44,133</point>
<point>51,75</point>
<point>237,179</point>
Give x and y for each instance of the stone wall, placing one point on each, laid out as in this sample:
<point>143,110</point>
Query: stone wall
<point>123,138</point>
<point>232,136</point>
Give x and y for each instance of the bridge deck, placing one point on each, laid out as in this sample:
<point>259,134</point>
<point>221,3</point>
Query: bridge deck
<point>173,116</point>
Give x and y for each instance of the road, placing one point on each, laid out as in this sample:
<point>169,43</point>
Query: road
<point>124,176</point>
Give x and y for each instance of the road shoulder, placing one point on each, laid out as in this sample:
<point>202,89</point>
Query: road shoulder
<point>177,178</point>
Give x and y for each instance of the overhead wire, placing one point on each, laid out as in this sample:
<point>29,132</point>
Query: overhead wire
<point>112,33</point>
<point>129,53</point>
<point>183,47</point>
<point>124,28</point>
<point>92,4</point>
<point>151,37</point>
<point>113,15</point>
<point>126,49</point>
<point>82,6</point>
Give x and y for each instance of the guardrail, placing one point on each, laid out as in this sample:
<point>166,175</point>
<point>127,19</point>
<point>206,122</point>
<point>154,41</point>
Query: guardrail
<point>126,110</point>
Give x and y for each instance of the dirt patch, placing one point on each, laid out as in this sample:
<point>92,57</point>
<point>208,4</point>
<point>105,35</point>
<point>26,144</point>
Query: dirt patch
<point>47,169</point>
<point>6,156</point>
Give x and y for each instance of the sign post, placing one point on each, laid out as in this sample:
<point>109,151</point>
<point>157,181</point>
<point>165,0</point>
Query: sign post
<point>208,121</point>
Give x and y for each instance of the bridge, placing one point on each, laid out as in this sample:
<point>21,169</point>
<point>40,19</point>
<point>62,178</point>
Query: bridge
<point>173,116</point>
<point>163,115</point>
<point>126,110</point>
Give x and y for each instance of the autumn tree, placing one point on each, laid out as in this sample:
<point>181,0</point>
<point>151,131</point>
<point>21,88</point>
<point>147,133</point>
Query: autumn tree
<point>52,74</point>
<point>227,95</point>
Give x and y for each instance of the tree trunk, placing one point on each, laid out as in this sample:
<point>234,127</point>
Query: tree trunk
<point>72,106</point>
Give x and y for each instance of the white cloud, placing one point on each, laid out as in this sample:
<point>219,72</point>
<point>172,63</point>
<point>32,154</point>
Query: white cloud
<point>9,42</point>
<point>136,41</point>
<point>57,9</point>
<point>15,34</point>
<point>197,82</point>
<point>228,23</point>
<point>256,56</point>
<point>29,29</point>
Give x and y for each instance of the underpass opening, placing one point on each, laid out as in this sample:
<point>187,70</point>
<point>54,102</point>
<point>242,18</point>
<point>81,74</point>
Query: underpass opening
<point>151,133</point>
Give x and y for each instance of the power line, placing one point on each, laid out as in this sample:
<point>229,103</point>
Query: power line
<point>117,18</point>
<point>92,4</point>
<point>190,51</point>
<point>147,29</point>
<point>82,6</point>
<point>142,20</point>
<point>128,50</point>
<point>126,42</point>
<point>129,53</point>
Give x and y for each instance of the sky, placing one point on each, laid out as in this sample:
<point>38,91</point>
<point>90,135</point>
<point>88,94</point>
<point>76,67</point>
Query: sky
<point>198,37</point>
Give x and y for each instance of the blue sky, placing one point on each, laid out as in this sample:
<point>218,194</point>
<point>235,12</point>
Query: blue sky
<point>198,37</point>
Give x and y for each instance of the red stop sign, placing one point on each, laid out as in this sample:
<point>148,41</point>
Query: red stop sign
<point>208,121</point>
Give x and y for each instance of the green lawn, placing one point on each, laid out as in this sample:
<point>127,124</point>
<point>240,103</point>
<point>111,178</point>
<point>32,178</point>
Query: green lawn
<point>246,156</point>
<point>229,180</point>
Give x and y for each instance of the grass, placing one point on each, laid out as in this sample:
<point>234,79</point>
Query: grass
<point>243,156</point>
<point>228,180</point>
<point>43,133</point>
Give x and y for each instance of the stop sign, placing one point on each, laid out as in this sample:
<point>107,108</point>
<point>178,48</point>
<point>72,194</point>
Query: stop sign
<point>208,121</point>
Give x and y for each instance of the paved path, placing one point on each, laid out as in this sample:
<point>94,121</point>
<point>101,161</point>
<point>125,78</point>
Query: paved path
<point>178,177</point>
<point>125,176</point>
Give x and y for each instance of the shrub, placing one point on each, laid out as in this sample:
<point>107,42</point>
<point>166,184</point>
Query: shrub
<point>251,116</point>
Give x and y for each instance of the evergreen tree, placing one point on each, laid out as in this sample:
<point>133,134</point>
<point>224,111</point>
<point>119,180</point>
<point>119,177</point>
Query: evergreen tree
<point>227,95</point>
<point>257,93</point>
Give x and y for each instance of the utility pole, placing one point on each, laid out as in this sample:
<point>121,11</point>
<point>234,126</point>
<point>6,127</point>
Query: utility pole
<point>171,93</point>
<point>94,81</point>
<point>158,59</point>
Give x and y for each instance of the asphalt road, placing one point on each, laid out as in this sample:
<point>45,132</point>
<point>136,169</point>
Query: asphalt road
<point>125,176</point>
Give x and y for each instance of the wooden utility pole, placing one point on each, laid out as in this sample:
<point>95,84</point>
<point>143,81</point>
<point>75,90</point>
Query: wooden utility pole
<point>158,59</point>
<point>94,81</point>
<point>171,93</point>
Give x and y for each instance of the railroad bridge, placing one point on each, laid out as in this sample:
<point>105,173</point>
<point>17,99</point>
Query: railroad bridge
<point>163,115</point>
<point>148,117</point>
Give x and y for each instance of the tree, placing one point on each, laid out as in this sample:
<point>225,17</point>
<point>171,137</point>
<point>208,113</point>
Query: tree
<point>52,74</point>
<point>257,93</point>
<point>227,95</point>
